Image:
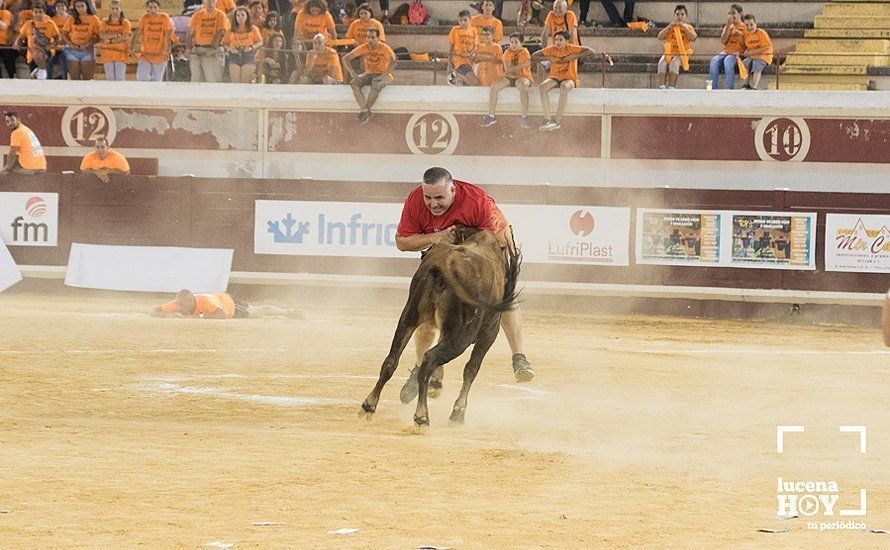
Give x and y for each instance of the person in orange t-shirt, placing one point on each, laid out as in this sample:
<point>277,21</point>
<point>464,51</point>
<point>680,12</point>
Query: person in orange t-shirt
<point>40,35</point>
<point>358,29</point>
<point>678,36</point>
<point>207,28</point>
<point>8,54</point>
<point>313,19</point>
<point>516,72</point>
<point>25,152</point>
<point>114,41</point>
<point>488,58</point>
<point>733,40</point>
<point>80,35</point>
<point>154,31</point>
<point>322,64</point>
<point>559,19</point>
<point>271,25</point>
<point>462,39</point>
<point>486,19</point>
<point>104,161</point>
<point>257,12</point>
<point>380,61</point>
<point>242,43</point>
<point>218,305</point>
<point>563,58</point>
<point>758,52</point>
<point>226,6</point>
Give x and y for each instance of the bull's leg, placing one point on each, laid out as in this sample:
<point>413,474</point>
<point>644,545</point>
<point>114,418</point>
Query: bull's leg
<point>484,341</point>
<point>436,382</point>
<point>403,333</point>
<point>446,350</point>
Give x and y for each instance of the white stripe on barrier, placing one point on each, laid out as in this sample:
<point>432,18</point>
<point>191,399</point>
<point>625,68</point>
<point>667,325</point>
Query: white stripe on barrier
<point>751,295</point>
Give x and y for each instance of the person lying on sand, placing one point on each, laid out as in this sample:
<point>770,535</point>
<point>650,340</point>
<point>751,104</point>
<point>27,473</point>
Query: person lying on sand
<point>218,305</point>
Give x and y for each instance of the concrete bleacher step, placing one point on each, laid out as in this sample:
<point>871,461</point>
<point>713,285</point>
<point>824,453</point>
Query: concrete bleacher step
<point>837,58</point>
<point>829,45</point>
<point>819,86</point>
<point>837,9</point>
<point>788,76</point>
<point>851,22</point>
<point>848,33</point>
<point>834,70</point>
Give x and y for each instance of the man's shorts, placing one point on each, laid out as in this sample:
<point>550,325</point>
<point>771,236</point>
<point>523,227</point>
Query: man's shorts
<point>511,82</point>
<point>754,65</point>
<point>242,309</point>
<point>464,70</point>
<point>378,81</point>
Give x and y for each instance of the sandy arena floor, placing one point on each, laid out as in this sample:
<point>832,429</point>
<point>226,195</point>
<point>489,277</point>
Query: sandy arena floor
<point>118,430</point>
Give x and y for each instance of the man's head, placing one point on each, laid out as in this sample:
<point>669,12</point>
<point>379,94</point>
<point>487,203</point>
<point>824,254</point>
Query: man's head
<point>152,6</point>
<point>373,36</point>
<point>39,12</point>
<point>438,190</point>
<point>463,18</point>
<point>12,119</point>
<point>516,41</point>
<point>209,5</point>
<point>101,147</point>
<point>750,23</point>
<point>485,34</point>
<point>256,9</point>
<point>318,42</point>
<point>680,13</point>
<point>561,38</point>
<point>488,7</point>
<point>560,7</point>
<point>186,301</point>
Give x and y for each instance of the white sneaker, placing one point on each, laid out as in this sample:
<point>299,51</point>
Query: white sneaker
<point>662,87</point>
<point>41,74</point>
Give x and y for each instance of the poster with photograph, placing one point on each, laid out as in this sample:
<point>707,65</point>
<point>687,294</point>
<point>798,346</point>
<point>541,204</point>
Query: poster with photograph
<point>678,237</point>
<point>773,240</point>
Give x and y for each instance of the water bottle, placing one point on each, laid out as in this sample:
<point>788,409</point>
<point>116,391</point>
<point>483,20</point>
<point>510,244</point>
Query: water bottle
<point>709,85</point>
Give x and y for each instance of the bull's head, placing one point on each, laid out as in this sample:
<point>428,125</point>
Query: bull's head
<point>462,233</point>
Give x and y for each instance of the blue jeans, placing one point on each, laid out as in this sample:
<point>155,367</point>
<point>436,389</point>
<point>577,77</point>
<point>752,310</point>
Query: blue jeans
<point>57,58</point>
<point>728,63</point>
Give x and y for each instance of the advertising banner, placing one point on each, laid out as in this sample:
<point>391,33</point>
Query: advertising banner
<point>768,240</point>
<point>9,272</point>
<point>857,243</point>
<point>547,234</point>
<point>678,237</point>
<point>29,219</point>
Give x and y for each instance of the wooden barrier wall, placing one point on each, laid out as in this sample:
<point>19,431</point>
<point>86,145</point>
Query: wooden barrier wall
<point>219,213</point>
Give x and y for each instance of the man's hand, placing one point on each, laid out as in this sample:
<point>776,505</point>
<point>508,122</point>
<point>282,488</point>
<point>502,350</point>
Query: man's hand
<point>446,236</point>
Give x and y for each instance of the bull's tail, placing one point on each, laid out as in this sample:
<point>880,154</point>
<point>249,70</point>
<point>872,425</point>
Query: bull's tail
<point>457,283</point>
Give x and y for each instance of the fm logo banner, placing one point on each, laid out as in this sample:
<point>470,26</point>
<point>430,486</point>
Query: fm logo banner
<point>29,219</point>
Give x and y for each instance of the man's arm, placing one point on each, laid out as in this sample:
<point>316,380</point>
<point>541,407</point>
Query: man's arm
<point>12,159</point>
<point>390,67</point>
<point>662,35</point>
<point>422,241</point>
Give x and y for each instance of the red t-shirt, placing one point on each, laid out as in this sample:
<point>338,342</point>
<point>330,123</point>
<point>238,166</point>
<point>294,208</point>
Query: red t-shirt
<point>472,207</point>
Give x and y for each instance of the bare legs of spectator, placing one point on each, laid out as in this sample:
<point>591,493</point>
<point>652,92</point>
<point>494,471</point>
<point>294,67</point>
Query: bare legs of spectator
<point>522,86</point>
<point>375,83</point>
<point>668,72</point>
<point>38,55</point>
<point>243,74</point>
<point>566,86</point>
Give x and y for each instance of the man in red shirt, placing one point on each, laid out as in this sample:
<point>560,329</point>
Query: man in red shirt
<point>430,213</point>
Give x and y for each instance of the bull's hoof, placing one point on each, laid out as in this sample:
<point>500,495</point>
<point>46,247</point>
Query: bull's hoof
<point>420,427</point>
<point>457,417</point>
<point>410,389</point>
<point>366,412</point>
<point>435,389</point>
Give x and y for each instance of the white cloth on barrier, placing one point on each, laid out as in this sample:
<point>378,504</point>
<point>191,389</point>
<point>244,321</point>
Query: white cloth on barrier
<point>9,272</point>
<point>148,268</point>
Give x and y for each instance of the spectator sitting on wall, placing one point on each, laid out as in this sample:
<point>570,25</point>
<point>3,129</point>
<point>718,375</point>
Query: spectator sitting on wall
<point>758,52</point>
<point>25,152</point>
<point>218,305</point>
<point>487,58</point>
<point>80,35</point>
<point>104,161</point>
<point>563,59</point>
<point>154,31</point>
<point>560,19</point>
<point>242,43</point>
<point>40,35</point>
<point>380,61</point>
<point>322,64</point>
<point>313,19</point>
<point>207,28</point>
<point>518,73</point>
<point>462,39</point>
<point>733,40</point>
<point>486,19</point>
<point>358,29</point>
<point>678,36</point>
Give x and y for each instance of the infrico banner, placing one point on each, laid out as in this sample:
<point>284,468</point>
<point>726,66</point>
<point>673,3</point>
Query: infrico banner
<point>857,243</point>
<point>766,240</point>
<point>29,219</point>
<point>547,234</point>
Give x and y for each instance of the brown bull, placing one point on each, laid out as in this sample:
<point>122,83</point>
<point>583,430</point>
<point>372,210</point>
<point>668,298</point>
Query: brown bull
<point>461,289</point>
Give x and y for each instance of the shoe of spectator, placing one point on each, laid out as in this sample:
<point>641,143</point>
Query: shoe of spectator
<point>525,122</point>
<point>662,87</point>
<point>488,120</point>
<point>553,126</point>
<point>453,79</point>
<point>364,117</point>
<point>546,126</point>
<point>747,87</point>
<point>671,88</point>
